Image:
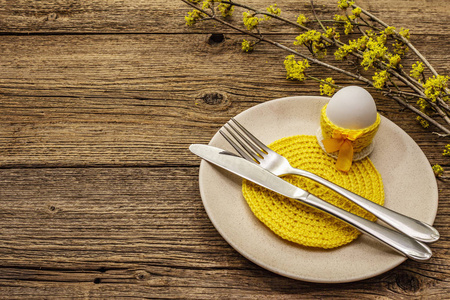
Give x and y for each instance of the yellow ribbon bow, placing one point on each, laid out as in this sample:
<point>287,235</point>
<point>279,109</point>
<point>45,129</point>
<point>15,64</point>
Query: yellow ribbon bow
<point>342,142</point>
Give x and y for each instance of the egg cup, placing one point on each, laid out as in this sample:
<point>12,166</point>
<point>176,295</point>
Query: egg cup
<point>346,145</point>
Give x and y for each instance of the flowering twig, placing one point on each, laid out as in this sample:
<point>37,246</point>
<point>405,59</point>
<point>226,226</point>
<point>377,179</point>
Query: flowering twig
<point>265,13</point>
<point>403,39</point>
<point>399,75</point>
<point>370,50</point>
<point>264,39</point>
<point>414,49</point>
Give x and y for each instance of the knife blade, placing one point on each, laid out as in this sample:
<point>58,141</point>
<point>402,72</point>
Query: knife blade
<point>229,161</point>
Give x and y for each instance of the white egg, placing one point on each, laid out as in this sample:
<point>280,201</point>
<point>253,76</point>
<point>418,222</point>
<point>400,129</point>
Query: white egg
<point>352,108</point>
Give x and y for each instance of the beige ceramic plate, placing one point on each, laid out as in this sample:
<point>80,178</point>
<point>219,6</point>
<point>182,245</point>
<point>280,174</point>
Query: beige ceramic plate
<point>410,188</point>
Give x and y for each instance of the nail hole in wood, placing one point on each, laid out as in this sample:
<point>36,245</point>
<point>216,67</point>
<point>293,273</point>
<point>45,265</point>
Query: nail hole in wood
<point>97,280</point>
<point>141,275</point>
<point>216,38</point>
<point>52,17</point>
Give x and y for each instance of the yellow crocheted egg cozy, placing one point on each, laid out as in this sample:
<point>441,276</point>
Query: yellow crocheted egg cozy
<point>366,134</point>
<point>299,223</point>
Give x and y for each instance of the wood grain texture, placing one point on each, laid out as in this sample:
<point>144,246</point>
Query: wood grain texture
<point>136,231</point>
<point>89,100</point>
<point>99,198</point>
<point>128,16</point>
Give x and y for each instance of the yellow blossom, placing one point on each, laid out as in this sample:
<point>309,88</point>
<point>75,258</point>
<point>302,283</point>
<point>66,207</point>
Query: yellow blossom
<point>327,87</point>
<point>446,150</point>
<point>423,105</point>
<point>339,18</point>
<point>380,78</point>
<point>356,11</point>
<point>250,21</point>
<point>348,27</point>
<point>193,17</point>
<point>362,42</point>
<point>417,70</point>
<point>312,40</point>
<point>394,61</point>
<point>274,10</point>
<point>424,123</point>
<point>309,36</point>
<point>247,46</point>
<point>331,33</point>
<point>434,86</point>
<point>353,45</point>
<point>400,48</point>
<point>438,170</point>
<point>226,9</point>
<point>302,20</point>
<point>375,50</point>
<point>370,33</point>
<point>390,30</point>
<point>207,4</point>
<point>381,39</point>
<point>342,52</point>
<point>343,4</point>
<point>404,33</point>
<point>351,17</point>
<point>295,70</point>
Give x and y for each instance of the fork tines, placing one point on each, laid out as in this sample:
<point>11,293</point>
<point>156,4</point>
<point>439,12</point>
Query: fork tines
<point>245,143</point>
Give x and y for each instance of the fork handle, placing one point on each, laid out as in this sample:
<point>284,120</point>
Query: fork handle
<point>401,243</point>
<point>409,226</point>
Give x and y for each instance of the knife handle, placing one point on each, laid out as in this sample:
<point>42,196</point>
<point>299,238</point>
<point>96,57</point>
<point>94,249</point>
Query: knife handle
<point>409,226</point>
<point>401,243</point>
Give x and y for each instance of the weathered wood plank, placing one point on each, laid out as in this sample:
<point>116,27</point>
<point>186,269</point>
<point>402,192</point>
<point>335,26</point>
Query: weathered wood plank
<point>99,197</point>
<point>127,16</point>
<point>131,100</point>
<point>143,232</point>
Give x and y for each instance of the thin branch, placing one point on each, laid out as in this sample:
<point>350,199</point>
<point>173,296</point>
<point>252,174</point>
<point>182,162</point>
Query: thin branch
<point>418,112</point>
<point>441,134</point>
<point>402,38</point>
<point>441,102</point>
<point>290,50</point>
<point>265,14</point>
<point>399,74</point>
<point>325,82</point>
<point>315,16</point>
<point>433,104</point>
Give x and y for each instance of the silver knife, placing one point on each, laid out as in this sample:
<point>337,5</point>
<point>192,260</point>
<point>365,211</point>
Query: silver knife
<point>403,244</point>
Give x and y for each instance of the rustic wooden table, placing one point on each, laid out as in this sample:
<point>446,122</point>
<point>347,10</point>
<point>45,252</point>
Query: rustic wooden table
<point>99,196</point>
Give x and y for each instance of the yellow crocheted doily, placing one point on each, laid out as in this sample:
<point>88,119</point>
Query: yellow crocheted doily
<point>300,223</point>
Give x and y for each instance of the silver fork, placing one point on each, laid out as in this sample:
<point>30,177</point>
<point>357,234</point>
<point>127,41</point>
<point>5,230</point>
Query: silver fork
<point>252,149</point>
